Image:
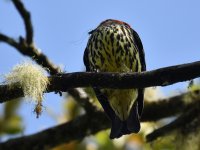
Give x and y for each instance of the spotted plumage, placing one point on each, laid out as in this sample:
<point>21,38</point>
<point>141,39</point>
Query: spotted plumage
<point>115,47</point>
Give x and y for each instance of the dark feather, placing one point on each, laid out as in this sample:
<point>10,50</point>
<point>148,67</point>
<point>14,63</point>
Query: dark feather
<point>138,42</point>
<point>86,60</point>
<point>139,45</point>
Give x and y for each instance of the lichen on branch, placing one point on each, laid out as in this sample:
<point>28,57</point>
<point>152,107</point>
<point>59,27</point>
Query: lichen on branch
<point>31,78</point>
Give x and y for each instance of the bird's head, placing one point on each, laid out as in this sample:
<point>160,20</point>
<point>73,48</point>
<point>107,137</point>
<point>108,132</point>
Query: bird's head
<point>111,22</point>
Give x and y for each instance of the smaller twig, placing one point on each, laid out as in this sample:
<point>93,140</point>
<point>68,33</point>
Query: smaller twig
<point>31,51</point>
<point>184,119</point>
<point>27,20</point>
<point>10,41</point>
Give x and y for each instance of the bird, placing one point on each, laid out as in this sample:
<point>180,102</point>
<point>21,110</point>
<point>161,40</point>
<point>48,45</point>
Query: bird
<point>113,46</point>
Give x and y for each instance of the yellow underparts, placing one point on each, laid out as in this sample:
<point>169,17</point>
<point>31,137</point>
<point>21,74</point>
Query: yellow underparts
<point>121,100</point>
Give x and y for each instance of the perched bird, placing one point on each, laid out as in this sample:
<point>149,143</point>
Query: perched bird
<point>115,47</point>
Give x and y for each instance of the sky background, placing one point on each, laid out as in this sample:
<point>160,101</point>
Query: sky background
<point>169,31</point>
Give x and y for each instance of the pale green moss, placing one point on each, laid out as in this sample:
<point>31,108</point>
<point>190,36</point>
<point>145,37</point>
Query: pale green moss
<point>31,78</point>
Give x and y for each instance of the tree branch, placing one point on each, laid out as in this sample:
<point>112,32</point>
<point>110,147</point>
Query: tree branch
<point>27,20</point>
<point>31,51</point>
<point>8,94</point>
<point>73,130</point>
<point>181,121</point>
<point>91,123</point>
<point>160,77</point>
<point>10,41</point>
<point>177,104</point>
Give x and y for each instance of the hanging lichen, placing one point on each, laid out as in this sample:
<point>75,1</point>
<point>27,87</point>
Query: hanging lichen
<point>33,81</point>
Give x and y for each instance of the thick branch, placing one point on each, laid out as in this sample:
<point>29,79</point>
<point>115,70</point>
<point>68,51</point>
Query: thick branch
<point>27,20</point>
<point>159,77</point>
<point>7,93</point>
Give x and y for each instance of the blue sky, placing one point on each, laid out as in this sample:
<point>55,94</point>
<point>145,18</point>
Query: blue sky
<point>169,31</point>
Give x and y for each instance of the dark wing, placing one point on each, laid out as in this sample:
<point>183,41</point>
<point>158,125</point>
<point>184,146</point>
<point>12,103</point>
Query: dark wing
<point>139,45</point>
<point>86,60</point>
<point>140,101</point>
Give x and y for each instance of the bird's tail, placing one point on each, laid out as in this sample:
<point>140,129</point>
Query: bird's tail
<point>131,125</point>
<point>119,127</point>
